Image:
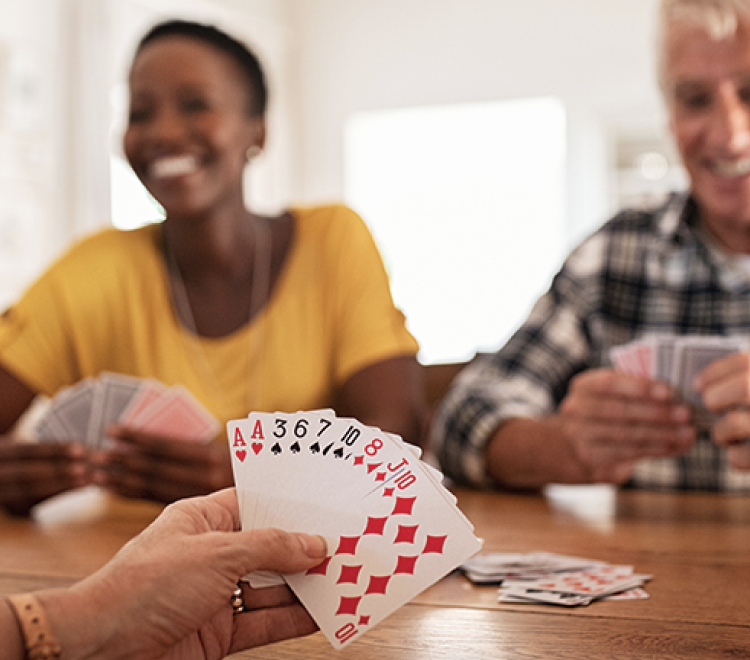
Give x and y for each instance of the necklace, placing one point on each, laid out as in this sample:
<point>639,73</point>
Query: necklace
<point>259,291</point>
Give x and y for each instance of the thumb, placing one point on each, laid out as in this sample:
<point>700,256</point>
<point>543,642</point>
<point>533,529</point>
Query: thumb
<point>279,551</point>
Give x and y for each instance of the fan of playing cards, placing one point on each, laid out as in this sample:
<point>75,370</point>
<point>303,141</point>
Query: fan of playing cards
<point>675,359</point>
<point>392,528</point>
<point>84,410</point>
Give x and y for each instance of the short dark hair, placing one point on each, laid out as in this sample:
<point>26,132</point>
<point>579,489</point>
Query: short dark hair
<point>246,60</point>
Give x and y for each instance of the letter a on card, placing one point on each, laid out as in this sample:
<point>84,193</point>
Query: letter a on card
<point>239,441</point>
<point>257,431</point>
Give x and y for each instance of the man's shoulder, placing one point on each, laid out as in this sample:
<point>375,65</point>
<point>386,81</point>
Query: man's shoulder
<point>645,217</point>
<point>624,238</point>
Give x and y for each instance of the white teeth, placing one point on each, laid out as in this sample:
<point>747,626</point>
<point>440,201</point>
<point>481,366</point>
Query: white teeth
<point>733,168</point>
<point>173,166</point>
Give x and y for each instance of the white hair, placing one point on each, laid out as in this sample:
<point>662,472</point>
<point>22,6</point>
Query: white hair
<point>719,18</point>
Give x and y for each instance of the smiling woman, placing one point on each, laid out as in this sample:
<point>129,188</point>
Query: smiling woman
<point>248,311</point>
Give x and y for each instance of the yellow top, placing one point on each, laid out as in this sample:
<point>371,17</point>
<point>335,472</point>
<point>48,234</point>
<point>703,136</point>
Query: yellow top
<point>105,306</point>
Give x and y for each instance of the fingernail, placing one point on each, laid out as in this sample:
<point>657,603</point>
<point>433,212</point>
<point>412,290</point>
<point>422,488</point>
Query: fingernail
<point>77,451</point>
<point>660,391</point>
<point>314,546</point>
<point>680,413</point>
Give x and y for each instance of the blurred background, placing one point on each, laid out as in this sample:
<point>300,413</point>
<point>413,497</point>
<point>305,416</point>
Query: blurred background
<point>479,139</point>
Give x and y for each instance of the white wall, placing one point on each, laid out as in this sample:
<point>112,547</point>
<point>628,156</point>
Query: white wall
<point>326,59</point>
<point>34,138</point>
<point>597,55</point>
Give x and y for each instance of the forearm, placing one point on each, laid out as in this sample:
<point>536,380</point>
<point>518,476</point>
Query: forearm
<point>529,453</point>
<point>389,395</point>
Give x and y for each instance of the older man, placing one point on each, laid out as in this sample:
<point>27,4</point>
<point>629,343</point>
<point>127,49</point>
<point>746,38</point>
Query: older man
<point>548,407</point>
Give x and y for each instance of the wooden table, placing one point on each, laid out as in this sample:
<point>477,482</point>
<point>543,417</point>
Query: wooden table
<point>695,545</point>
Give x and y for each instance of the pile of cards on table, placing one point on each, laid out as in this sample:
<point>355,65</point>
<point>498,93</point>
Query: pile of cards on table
<point>392,528</point>
<point>83,411</point>
<point>675,359</point>
<point>545,577</point>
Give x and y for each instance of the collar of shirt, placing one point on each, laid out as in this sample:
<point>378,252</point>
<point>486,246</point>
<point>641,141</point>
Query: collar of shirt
<point>679,228</point>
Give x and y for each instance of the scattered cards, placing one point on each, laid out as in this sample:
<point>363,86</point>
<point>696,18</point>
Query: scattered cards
<point>392,528</point>
<point>494,567</point>
<point>83,411</point>
<point>542,577</point>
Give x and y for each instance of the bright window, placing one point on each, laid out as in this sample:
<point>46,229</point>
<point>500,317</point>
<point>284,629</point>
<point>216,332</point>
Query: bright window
<point>467,204</point>
<point>132,205</point>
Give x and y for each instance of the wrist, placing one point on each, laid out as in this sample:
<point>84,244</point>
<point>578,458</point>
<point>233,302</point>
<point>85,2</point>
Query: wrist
<point>33,630</point>
<point>78,622</point>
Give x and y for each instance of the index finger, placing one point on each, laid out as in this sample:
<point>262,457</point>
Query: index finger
<point>721,369</point>
<point>617,383</point>
<point>42,451</point>
<point>161,446</point>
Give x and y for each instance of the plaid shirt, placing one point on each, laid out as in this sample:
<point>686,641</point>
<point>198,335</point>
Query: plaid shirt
<point>645,272</point>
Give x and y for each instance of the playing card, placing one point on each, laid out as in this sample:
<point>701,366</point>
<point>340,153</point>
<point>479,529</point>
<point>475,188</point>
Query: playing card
<point>599,581</point>
<point>633,358</point>
<point>693,354</point>
<point>67,416</point>
<point>529,595</point>
<point>499,566</point>
<point>402,542</point>
<point>178,414</point>
<point>637,593</point>
<point>148,392</point>
<point>663,358</point>
<point>110,395</point>
<point>49,429</point>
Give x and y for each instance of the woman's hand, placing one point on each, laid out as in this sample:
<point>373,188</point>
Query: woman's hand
<point>30,473</point>
<point>167,593</point>
<point>141,465</point>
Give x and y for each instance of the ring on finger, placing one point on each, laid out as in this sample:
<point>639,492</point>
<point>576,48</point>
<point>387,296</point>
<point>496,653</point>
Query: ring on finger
<point>238,605</point>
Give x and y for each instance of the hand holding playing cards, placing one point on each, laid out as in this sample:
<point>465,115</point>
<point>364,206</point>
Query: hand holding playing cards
<point>157,467</point>
<point>612,419</point>
<point>30,473</point>
<point>724,386</point>
<point>167,593</point>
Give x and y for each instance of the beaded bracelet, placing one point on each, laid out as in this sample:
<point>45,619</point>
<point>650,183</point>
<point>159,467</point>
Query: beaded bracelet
<point>40,642</point>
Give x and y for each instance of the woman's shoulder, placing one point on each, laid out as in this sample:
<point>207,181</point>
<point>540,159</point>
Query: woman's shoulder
<point>321,215</point>
<point>106,250</point>
<point>329,223</point>
<point>110,242</point>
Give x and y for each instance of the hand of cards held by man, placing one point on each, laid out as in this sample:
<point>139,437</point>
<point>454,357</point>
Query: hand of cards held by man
<point>392,528</point>
<point>675,359</point>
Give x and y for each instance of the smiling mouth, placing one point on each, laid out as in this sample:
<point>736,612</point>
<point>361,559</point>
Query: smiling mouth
<point>173,166</point>
<point>732,169</point>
